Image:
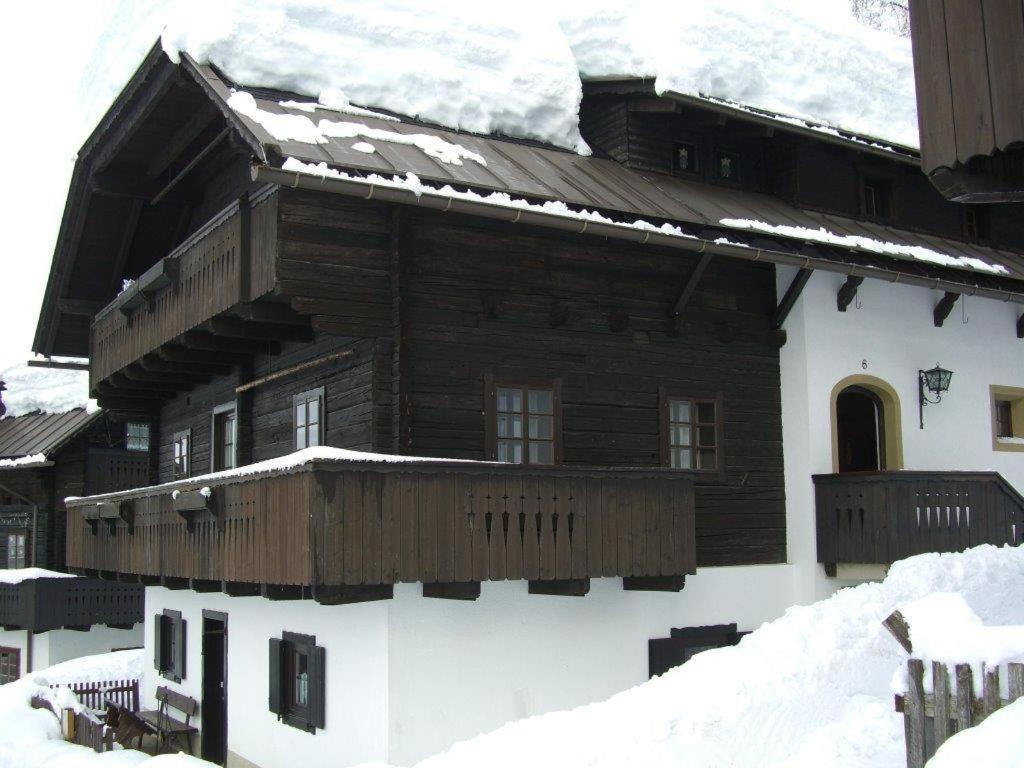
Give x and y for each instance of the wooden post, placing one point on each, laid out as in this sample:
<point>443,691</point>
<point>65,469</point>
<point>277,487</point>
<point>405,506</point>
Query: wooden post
<point>964,697</point>
<point>990,690</point>
<point>940,688</point>
<point>913,712</point>
<point>1015,672</point>
<point>898,628</point>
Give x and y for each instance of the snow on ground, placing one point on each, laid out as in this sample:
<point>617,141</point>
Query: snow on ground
<point>807,59</point>
<point>811,689</point>
<point>18,575</point>
<point>32,738</point>
<point>998,742</point>
<point>52,390</point>
<point>462,64</point>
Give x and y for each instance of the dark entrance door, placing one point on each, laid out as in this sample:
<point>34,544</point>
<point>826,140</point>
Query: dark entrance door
<point>214,710</point>
<point>859,427</point>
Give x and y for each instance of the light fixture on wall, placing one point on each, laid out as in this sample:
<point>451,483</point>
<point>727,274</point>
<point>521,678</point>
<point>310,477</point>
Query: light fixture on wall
<point>934,380</point>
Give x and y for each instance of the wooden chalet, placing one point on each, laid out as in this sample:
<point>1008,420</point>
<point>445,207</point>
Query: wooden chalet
<point>616,384</point>
<point>970,86</point>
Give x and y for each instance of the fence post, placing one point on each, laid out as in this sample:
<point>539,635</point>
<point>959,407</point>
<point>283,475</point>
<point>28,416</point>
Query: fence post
<point>964,697</point>
<point>990,690</point>
<point>1015,671</point>
<point>913,713</point>
<point>940,688</point>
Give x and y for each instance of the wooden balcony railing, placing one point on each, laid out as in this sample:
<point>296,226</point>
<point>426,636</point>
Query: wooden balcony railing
<point>44,604</point>
<point>881,517</point>
<point>329,529</point>
<point>225,262</point>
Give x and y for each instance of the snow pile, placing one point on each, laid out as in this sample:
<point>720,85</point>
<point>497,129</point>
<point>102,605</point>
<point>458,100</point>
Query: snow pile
<point>809,689</point>
<point>291,127</point>
<point>867,244</point>
<point>18,575</point>
<point>998,742</point>
<point>35,460</point>
<point>460,64</point>
<point>807,59</point>
<point>51,390</point>
<point>98,668</point>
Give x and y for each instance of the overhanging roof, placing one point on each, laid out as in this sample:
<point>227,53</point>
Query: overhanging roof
<point>41,433</point>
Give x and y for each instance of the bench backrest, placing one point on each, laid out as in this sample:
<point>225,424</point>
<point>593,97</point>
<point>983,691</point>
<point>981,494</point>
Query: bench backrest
<point>179,701</point>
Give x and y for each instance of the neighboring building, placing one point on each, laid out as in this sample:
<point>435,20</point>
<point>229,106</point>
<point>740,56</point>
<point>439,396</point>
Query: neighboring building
<point>598,404</point>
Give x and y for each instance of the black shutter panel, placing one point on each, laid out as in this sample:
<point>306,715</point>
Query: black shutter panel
<point>158,641</point>
<point>275,676</point>
<point>317,686</point>
<point>179,647</point>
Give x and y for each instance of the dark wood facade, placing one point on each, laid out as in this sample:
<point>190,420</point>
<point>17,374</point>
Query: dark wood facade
<point>970,87</point>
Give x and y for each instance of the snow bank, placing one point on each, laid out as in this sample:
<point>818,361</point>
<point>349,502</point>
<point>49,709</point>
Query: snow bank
<point>51,390</point>
<point>18,575</point>
<point>998,742</point>
<point>461,64</point>
<point>807,59</point>
<point>22,462</point>
<point>98,668</point>
<point>809,689</point>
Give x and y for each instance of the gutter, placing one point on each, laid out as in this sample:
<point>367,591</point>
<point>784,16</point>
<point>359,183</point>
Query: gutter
<point>439,201</point>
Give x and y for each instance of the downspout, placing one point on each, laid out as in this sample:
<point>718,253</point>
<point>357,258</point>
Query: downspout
<point>35,517</point>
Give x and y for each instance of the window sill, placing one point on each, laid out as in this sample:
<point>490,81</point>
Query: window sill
<point>297,721</point>
<point>168,675</point>
<point>1008,444</point>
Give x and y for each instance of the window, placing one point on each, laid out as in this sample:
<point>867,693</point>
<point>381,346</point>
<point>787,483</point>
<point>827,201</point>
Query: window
<point>224,432</point>
<point>182,454</point>
<point>136,436</point>
<point>976,222</point>
<point>309,418</point>
<point>16,550</point>
<point>1007,418</point>
<point>10,665</point>
<point>665,653</point>
<point>169,644</point>
<point>727,166</point>
<point>297,681</point>
<point>684,158</point>
<point>524,422</point>
<point>876,198</point>
<point>691,432</point>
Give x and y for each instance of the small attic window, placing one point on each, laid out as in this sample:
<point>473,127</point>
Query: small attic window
<point>727,166</point>
<point>876,198</point>
<point>976,223</point>
<point>684,158</point>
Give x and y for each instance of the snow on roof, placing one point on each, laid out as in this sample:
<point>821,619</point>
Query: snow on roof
<point>51,390</point>
<point>459,64</point>
<point>809,689</point>
<point>18,575</point>
<point>25,462</point>
<point>809,60</point>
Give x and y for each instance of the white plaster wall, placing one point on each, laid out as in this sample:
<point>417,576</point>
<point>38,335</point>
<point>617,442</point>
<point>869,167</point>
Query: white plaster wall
<point>50,648</point>
<point>893,333</point>
<point>355,639</point>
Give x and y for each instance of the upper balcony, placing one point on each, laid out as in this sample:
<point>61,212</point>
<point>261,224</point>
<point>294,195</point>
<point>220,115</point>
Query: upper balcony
<point>44,604</point>
<point>347,529</point>
<point>191,315</point>
<point>881,517</point>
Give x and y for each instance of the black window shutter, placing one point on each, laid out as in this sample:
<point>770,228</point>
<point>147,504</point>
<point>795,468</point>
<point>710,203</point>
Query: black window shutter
<point>158,641</point>
<point>275,676</point>
<point>317,687</point>
<point>179,648</point>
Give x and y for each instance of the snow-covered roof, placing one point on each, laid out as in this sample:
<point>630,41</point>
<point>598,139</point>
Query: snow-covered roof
<point>51,390</point>
<point>18,575</point>
<point>32,439</point>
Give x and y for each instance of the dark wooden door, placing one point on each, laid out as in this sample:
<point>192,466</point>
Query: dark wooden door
<point>214,710</point>
<point>859,427</point>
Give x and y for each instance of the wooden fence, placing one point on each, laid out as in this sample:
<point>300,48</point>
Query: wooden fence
<point>95,696</point>
<point>931,718</point>
<point>90,732</point>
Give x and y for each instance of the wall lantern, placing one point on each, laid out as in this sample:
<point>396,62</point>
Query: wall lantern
<point>934,380</point>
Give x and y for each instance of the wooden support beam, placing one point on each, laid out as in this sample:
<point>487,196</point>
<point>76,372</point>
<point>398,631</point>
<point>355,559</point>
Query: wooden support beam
<point>359,593</point>
<point>148,581</point>
<point>567,587</point>
<point>792,294</point>
<point>166,190</point>
<point>178,378</point>
<point>653,583</point>
<point>270,313</point>
<point>124,247</point>
<point>63,365</point>
<point>204,585</point>
<point>113,183</point>
<point>944,307</point>
<point>204,341</point>
<point>236,328</point>
<point>176,353</point>
<point>240,589</point>
<point>174,582</point>
<point>156,364</point>
<point>691,284</point>
<point>457,590</point>
<point>282,591</point>
<point>79,307</point>
<point>847,292</point>
<point>180,141</point>
<point>119,626</point>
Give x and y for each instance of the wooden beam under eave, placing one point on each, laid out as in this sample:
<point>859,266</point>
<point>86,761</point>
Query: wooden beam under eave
<point>357,593</point>
<point>208,342</point>
<point>455,590</point>
<point>691,284</point>
<point>236,328</point>
<point>182,138</point>
<point>157,364</point>
<point>177,353</point>
<point>792,294</point>
<point>564,587</point>
<point>79,307</point>
<point>654,583</point>
<point>944,307</point>
<point>848,292</point>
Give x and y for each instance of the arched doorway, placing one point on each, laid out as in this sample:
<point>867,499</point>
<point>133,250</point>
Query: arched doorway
<point>866,425</point>
<point>860,430</point>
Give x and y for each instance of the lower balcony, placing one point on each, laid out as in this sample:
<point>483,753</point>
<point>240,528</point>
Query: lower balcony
<point>880,517</point>
<point>348,529</point>
<point>45,604</point>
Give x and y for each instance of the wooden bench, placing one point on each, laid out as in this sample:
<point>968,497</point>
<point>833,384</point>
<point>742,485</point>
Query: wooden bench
<point>168,728</point>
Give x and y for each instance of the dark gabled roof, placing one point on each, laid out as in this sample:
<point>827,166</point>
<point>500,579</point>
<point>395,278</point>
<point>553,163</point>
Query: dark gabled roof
<point>41,433</point>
